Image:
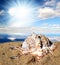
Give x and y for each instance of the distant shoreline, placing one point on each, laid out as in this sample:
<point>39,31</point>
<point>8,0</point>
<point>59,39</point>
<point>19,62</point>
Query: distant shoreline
<point>5,40</point>
<point>15,38</point>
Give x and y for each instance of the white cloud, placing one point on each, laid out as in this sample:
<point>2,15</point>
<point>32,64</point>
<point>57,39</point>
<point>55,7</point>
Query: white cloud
<point>44,29</point>
<point>58,5</point>
<point>47,29</point>
<point>58,9</point>
<point>51,26</point>
<point>50,3</point>
<point>48,12</point>
<point>1,12</point>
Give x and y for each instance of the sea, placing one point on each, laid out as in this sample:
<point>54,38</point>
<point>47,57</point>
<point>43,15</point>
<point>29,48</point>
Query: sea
<point>11,38</point>
<point>15,38</point>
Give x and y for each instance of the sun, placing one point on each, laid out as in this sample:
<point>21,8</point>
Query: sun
<point>21,15</point>
<point>19,12</point>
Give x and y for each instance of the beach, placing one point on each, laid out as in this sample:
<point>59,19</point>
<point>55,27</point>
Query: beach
<point>10,56</point>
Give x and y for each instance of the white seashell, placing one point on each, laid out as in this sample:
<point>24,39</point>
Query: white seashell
<point>38,53</point>
<point>25,46</point>
<point>52,47</point>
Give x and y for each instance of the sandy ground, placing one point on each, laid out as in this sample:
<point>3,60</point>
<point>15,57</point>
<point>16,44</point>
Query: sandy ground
<point>13,57</point>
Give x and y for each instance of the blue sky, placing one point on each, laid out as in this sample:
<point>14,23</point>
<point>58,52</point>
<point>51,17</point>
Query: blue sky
<point>42,14</point>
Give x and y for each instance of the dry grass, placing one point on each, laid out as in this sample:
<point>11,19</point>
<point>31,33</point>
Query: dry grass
<point>6,53</point>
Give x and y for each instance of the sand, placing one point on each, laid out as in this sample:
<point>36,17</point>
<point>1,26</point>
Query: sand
<point>10,56</point>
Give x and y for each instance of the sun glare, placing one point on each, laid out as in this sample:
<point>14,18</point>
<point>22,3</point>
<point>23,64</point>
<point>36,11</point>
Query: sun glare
<point>19,12</point>
<point>21,15</point>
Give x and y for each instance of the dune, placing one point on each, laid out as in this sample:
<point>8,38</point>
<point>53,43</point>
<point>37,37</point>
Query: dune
<point>10,56</point>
